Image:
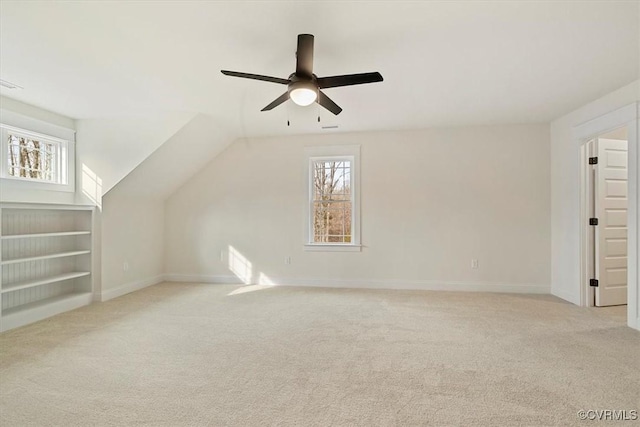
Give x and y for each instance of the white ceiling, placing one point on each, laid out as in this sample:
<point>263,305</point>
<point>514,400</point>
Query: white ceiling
<point>444,63</point>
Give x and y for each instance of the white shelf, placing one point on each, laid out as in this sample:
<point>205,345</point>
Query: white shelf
<point>38,310</point>
<point>40,257</point>
<point>43,281</point>
<point>46,261</point>
<point>56,234</point>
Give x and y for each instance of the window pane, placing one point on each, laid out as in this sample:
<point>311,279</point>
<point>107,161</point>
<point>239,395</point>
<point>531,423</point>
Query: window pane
<point>32,159</point>
<point>331,180</point>
<point>331,201</point>
<point>332,222</point>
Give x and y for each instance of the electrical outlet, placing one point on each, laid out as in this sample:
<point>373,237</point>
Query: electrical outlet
<point>474,263</point>
<point>125,266</point>
<point>221,255</point>
<point>287,260</point>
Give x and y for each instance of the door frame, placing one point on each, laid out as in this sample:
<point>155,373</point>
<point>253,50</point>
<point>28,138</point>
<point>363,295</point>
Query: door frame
<point>628,116</point>
<point>587,235</point>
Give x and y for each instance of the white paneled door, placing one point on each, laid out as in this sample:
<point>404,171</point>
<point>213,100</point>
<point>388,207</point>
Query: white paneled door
<point>611,231</point>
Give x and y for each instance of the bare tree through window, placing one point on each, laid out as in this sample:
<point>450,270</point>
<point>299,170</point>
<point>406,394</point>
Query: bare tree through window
<point>332,203</point>
<point>32,159</point>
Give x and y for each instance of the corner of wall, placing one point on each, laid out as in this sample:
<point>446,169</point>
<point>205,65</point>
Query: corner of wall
<point>565,189</point>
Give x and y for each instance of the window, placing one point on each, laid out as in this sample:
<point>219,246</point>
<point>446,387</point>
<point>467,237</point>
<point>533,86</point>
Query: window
<point>35,160</point>
<point>332,206</point>
<point>333,198</point>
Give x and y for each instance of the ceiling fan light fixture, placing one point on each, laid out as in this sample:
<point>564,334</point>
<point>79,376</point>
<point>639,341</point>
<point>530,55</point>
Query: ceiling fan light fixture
<point>303,94</point>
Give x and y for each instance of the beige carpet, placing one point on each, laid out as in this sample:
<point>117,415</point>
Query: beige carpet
<point>193,355</point>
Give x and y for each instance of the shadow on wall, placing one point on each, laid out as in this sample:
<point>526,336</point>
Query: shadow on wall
<point>91,185</point>
<point>243,269</point>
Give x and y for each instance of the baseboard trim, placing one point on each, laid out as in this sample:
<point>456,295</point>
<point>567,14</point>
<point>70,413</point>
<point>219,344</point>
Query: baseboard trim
<point>426,285</point>
<point>569,297</point>
<point>202,278</point>
<point>130,287</point>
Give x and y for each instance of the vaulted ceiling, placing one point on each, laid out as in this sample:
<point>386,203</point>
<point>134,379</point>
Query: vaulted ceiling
<point>444,63</point>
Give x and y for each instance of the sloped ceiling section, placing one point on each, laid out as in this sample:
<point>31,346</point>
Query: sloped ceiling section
<point>177,160</point>
<point>108,149</point>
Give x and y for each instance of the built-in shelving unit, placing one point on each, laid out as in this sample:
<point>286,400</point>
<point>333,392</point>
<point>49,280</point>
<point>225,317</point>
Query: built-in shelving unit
<point>45,261</point>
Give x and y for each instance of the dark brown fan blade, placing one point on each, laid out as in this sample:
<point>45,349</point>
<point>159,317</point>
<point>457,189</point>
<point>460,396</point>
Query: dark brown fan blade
<point>327,103</point>
<point>282,98</point>
<point>255,77</point>
<point>349,80</point>
<point>304,55</point>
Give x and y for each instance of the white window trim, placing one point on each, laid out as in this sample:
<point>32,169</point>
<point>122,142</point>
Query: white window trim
<point>334,152</point>
<point>13,122</point>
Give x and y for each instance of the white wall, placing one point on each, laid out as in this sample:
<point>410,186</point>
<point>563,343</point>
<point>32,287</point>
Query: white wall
<point>129,228</point>
<point>36,113</point>
<point>132,232</point>
<point>431,201</point>
<point>565,190</point>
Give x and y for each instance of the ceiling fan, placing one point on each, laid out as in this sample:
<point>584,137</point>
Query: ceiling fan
<point>303,87</point>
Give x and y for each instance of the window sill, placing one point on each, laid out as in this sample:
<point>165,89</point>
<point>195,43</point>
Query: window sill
<point>322,247</point>
<point>27,185</point>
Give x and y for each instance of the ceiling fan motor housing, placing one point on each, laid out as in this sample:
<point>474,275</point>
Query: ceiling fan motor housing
<point>302,82</point>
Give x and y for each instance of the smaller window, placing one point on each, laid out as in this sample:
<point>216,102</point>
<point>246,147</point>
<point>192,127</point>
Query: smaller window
<point>333,208</point>
<point>34,158</point>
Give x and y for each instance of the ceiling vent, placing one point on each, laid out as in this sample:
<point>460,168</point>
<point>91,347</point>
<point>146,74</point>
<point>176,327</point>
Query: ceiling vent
<point>9,85</point>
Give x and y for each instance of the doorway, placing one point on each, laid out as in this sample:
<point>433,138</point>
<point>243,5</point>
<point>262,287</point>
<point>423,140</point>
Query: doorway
<point>606,181</point>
